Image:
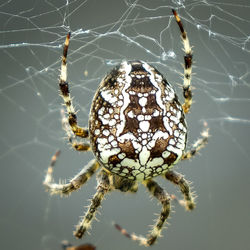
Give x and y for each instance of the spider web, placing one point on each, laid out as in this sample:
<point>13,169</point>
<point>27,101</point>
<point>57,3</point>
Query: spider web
<point>103,34</point>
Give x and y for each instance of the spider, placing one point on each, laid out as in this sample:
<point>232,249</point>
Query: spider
<point>137,131</point>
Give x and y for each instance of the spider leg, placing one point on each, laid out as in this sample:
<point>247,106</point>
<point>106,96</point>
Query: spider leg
<point>199,144</point>
<point>188,58</point>
<point>64,88</point>
<point>179,180</point>
<point>79,146</point>
<point>164,199</point>
<point>103,187</point>
<point>74,184</point>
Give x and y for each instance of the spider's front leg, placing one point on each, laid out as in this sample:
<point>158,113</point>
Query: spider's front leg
<point>103,187</point>
<point>164,199</point>
<point>74,184</point>
<point>179,180</point>
<point>64,88</point>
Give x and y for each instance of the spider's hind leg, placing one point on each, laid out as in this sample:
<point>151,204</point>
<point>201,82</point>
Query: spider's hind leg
<point>188,59</point>
<point>79,146</point>
<point>64,88</point>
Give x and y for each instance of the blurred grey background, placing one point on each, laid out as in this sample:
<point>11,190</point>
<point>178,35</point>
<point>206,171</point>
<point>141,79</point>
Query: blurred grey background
<point>103,34</point>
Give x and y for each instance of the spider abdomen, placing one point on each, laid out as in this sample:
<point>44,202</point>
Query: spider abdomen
<point>137,126</point>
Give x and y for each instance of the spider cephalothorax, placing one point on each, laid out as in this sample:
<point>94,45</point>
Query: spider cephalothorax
<point>137,130</point>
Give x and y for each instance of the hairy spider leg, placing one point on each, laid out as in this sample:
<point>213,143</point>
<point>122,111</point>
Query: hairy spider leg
<point>79,146</point>
<point>187,93</point>
<point>74,184</point>
<point>184,186</point>
<point>179,180</point>
<point>199,144</point>
<point>64,88</point>
<point>164,199</point>
<point>103,187</point>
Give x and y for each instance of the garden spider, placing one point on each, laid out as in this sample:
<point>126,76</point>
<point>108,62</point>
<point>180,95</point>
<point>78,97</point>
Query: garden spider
<point>137,130</point>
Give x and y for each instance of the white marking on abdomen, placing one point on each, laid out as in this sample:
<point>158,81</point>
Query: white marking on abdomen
<point>144,155</point>
<point>144,126</point>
